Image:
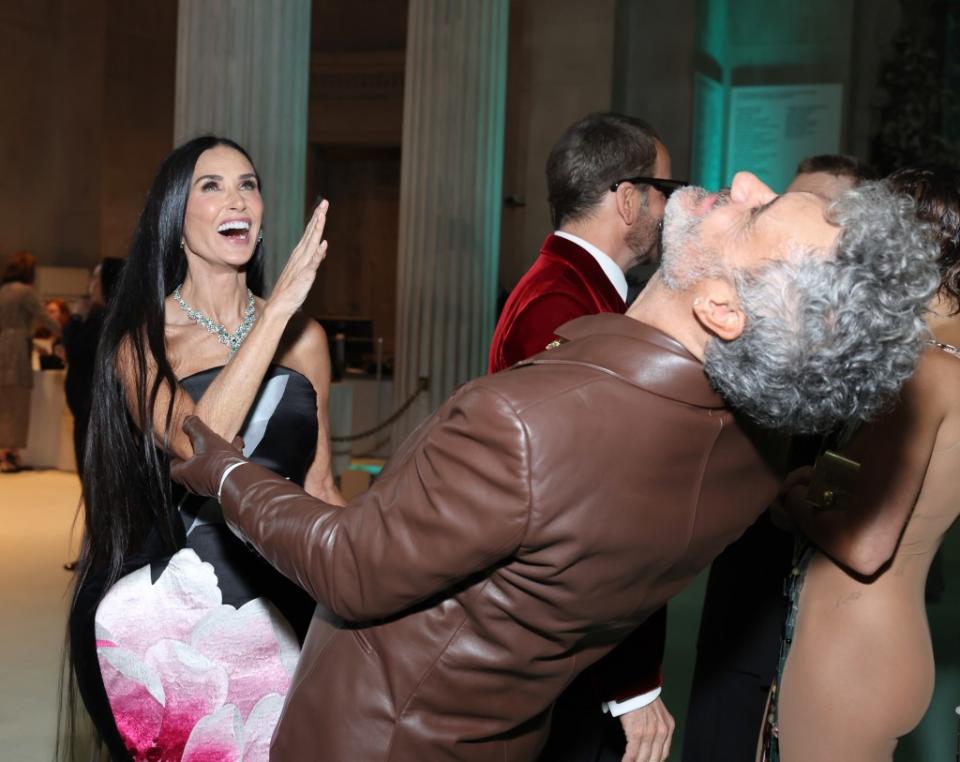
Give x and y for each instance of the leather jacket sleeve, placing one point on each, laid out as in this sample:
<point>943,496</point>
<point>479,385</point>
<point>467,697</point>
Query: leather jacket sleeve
<point>454,501</point>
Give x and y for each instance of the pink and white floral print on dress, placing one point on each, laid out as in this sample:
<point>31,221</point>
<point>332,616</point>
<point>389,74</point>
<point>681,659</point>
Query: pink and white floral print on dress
<point>188,678</point>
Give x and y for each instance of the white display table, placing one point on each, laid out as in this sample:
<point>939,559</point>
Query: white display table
<point>50,441</point>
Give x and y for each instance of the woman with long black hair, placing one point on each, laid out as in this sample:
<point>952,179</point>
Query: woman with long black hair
<point>182,639</point>
<point>81,337</point>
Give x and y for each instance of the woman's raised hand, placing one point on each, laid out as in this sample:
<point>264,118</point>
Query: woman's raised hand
<point>298,274</point>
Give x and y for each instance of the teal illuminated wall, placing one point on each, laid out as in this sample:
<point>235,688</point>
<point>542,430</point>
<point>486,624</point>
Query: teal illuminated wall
<point>770,86</point>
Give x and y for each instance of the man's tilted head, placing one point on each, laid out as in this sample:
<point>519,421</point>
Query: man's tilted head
<point>608,178</point>
<point>814,308</point>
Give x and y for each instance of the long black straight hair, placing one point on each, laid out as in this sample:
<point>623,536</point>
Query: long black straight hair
<point>126,480</point>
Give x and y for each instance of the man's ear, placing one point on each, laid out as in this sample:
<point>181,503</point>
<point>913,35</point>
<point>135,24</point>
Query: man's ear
<point>718,309</point>
<point>630,201</point>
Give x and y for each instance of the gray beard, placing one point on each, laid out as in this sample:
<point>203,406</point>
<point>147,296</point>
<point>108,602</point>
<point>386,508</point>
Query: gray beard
<point>683,259</point>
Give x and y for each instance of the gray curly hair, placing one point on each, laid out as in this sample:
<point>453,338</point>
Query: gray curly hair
<point>830,339</point>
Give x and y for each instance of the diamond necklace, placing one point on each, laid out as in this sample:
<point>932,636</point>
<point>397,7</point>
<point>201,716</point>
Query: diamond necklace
<point>231,340</point>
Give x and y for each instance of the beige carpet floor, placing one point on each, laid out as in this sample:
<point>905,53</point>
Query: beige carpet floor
<point>36,512</point>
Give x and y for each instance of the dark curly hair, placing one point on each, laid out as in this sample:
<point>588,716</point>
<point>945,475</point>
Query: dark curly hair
<point>936,191</point>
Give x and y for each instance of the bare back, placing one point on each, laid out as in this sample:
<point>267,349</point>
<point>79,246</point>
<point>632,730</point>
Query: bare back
<point>860,670</point>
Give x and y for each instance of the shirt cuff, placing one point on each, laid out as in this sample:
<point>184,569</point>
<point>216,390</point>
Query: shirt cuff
<point>226,473</point>
<point>617,708</point>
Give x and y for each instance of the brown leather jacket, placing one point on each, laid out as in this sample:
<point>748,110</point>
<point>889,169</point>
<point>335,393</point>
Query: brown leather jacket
<point>518,535</point>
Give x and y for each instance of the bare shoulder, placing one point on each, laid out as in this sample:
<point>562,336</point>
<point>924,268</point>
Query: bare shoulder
<point>304,349</point>
<point>930,400</point>
<point>938,384</point>
<point>938,376</point>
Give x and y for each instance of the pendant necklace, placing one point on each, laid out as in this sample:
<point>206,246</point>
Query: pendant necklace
<point>231,340</point>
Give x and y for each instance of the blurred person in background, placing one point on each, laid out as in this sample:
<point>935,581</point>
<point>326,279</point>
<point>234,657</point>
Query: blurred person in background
<point>52,355</point>
<point>830,174</point>
<point>81,335</point>
<point>59,310</point>
<point>20,312</point>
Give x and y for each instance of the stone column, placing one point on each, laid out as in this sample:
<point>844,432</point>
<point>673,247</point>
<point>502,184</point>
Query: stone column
<point>450,196</point>
<point>243,69</point>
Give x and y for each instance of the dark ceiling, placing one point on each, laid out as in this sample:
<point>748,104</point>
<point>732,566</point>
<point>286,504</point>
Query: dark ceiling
<point>356,25</point>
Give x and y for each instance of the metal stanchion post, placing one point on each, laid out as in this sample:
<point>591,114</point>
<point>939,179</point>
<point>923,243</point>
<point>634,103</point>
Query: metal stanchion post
<point>339,355</point>
<point>379,379</point>
<point>957,710</point>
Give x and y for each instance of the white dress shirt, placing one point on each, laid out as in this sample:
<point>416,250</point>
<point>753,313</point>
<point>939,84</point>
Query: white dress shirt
<point>610,268</point>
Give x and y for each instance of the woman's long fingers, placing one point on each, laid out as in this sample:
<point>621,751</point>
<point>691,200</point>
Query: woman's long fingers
<point>311,239</point>
<point>320,215</point>
<point>313,235</point>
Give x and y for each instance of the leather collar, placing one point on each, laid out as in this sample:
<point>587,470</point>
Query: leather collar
<point>636,352</point>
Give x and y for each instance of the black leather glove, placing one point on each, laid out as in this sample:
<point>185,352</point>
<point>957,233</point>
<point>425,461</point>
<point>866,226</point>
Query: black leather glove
<point>212,455</point>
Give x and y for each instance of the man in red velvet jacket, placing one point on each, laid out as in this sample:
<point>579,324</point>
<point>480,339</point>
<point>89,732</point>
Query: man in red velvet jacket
<point>606,220</point>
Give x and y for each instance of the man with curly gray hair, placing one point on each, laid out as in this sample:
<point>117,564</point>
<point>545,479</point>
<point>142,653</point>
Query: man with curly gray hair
<point>544,512</point>
<point>809,312</point>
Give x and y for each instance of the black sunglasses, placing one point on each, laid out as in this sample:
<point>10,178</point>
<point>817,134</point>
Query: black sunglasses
<point>666,187</point>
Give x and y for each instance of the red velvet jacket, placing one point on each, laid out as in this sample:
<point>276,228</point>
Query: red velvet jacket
<point>564,283</point>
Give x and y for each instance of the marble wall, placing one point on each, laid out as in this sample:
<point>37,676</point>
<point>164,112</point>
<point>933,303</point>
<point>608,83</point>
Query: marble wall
<point>559,68</point>
<point>88,113</point>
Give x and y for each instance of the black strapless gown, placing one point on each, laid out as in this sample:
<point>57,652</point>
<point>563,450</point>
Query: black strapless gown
<point>189,656</point>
